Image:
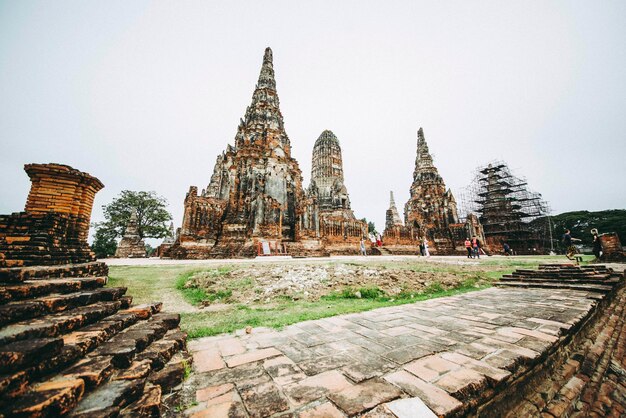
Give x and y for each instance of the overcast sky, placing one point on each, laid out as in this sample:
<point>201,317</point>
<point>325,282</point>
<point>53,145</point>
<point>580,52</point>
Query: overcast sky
<point>144,95</point>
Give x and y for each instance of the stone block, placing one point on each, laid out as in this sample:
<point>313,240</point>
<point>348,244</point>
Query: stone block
<point>364,396</point>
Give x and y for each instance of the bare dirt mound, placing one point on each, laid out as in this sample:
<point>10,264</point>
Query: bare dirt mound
<point>312,281</point>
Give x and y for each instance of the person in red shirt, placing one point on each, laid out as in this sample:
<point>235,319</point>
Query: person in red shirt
<point>468,247</point>
<point>476,246</point>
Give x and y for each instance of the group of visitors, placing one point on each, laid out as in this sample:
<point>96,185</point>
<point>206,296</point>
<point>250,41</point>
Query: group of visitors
<point>571,250</point>
<point>473,247</point>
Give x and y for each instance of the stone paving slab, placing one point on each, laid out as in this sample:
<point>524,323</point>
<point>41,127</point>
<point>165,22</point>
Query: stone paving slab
<point>435,356</point>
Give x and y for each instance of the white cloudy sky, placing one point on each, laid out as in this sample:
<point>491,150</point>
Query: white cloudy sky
<point>144,95</point>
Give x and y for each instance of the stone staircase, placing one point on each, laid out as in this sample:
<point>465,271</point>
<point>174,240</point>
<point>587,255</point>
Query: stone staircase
<point>588,378</point>
<point>70,346</point>
<point>595,278</point>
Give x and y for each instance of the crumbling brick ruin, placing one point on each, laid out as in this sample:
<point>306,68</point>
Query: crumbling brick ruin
<point>256,186</point>
<point>328,216</point>
<point>167,243</point>
<point>131,245</point>
<point>612,249</point>
<point>430,213</point>
<point>68,345</point>
<point>255,194</point>
<point>54,226</point>
<point>506,208</point>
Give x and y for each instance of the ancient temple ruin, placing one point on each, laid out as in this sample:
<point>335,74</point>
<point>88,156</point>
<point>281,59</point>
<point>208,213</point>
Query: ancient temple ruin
<point>54,225</point>
<point>328,216</point>
<point>68,344</point>
<point>255,187</point>
<point>131,245</point>
<point>255,202</point>
<point>327,183</point>
<point>506,209</point>
<point>167,242</point>
<point>392,217</point>
<point>430,213</point>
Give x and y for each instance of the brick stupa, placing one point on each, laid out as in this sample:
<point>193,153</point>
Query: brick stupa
<point>68,345</point>
<point>131,244</point>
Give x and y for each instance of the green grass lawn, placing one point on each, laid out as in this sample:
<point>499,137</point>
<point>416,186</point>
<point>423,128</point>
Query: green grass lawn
<point>167,283</point>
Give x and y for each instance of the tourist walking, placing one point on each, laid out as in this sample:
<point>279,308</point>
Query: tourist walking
<point>597,245</point>
<point>568,242</point>
<point>362,245</point>
<point>421,249</point>
<point>476,247</point>
<point>507,249</point>
<point>426,253</point>
<point>468,247</point>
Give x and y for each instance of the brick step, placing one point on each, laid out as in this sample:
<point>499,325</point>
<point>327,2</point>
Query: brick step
<point>16,311</point>
<point>19,274</point>
<point>124,346</point>
<point>539,273</point>
<point>72,347</point>
<point>173,372</point>
<point>609,281</point>
<point>154,340</point>
<point>585,385</point>
<point>569,266</point>
<point>60,323</point>
<point>97,366</point>
<point>36,288</point>
<point>557,394</point>
<point>608,347</point>
<point>148,404</point>
<point>23,353</point>
<point>109,399</point>
<point>553,285</point>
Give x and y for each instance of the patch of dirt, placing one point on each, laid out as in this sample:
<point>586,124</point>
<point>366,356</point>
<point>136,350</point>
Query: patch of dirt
<point>266,283</point>
<point>174,302</point>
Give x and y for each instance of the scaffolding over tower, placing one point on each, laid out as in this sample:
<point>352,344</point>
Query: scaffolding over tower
<point>506,209</point>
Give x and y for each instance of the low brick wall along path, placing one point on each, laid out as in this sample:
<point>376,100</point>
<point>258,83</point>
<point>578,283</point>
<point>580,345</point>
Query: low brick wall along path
<point>441,357</point>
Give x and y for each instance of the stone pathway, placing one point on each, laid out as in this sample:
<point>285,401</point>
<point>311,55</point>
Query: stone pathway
<point>420,360</point>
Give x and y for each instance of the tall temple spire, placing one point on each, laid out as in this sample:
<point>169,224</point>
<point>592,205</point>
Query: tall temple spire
<point>263,123</point>
<point>327,160</point>
<point>266,77</point>
<point>423,160</point>
<point>327,174</point>
<point>431,205</point>
<point>392,217</point>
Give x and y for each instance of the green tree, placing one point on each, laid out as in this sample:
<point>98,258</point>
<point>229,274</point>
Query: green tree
<point>150,250</point>
<point>152,215</point>
<point>104,244</point>
<point>371,228</point>
<point>582,222</point>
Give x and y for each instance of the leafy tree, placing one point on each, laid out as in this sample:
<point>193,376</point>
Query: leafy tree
<point>104,244</point>
<point>582,222</point>
<point>152,216</point>
<point>371,228</point>
<point>150,250</point>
